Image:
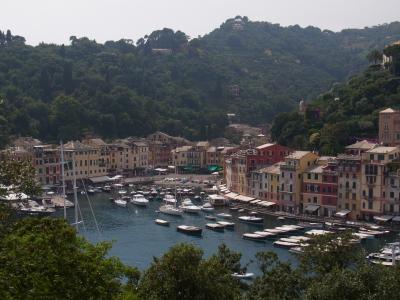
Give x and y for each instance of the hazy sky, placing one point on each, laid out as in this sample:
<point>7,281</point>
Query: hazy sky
<point>56,20</point>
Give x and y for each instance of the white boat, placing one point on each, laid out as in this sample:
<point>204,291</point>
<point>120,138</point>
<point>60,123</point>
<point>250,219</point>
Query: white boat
<point>188,207</point>
<point>224,216</point>
<point>217,200</point>
<point>169,199</point>
<point>243,275</point>
<point>251,219</point>
<point>210,218</point>
<point>311,225</point>
<point>122,192</point>
<point>283,244</point>
<point>161,222</point>
<point>265,234</point>
<point>215,226</point>
<point>169,209</point>
<point>120,202</point>
<point>140,200</point>
<point>226,224</point>
<point>254,236</point>
<point>193,209</point>
<point>207,207</point>
<point>192,230</point>
<point>297,250</point>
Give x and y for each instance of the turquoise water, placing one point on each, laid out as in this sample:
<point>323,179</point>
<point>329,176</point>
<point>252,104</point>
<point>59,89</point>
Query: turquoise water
<point>137,239</point>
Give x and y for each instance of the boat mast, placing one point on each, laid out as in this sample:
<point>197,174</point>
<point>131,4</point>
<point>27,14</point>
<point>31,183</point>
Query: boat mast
<point>63,178</point>
<point>75,193</point>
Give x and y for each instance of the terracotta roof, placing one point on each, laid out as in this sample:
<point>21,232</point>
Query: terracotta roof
<point>265,146</point>
<point>364,145</point>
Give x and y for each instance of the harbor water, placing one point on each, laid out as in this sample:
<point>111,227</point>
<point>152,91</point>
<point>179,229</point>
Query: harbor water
<point>137,239</point>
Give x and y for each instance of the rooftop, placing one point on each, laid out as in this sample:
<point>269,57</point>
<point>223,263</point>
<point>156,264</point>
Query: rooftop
<point>387,110</point>
<point>298,154</point>
<point>265,146</point>
<point>382,150</point>
<point>364,145</point>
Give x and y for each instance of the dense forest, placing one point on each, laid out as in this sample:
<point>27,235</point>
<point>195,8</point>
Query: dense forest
<point>168,81</point>
<point>346,113</point>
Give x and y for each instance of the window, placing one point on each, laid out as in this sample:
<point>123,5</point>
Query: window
<point>316,176</point>
<point>308,176</point>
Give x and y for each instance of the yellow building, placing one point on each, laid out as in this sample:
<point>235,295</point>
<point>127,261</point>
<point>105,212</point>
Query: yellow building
<point>373,180</point>
<point>180,156</point>
<point>88,161</point>
<point>291,180</point>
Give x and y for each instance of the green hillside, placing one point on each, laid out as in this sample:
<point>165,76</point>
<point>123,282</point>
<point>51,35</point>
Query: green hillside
<point>346,113</point>
<point>122,88</point>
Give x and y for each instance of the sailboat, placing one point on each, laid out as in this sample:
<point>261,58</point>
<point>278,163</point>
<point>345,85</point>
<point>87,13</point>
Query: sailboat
<point>171,209</point>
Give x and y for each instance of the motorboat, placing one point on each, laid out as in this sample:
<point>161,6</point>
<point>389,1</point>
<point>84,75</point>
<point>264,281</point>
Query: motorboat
<point>244,276</point>
<point>226,224</point>
<point>193,209</point>
<point>217,200</point>
<point>192,230</point>
<point>297,250</point>
<point>311,225</point>
<point>122,192</point>
<point>188,206</point>
<point>265,234</point>
<point>281,218</point>
<point>215,226</point>
<point>33,208</point>
<point>253,213</point>
<point>254,237</point>
<point>106,189</point>
<point>161,222</point>
<point>234,208</point>
<point>241,210</point>
<point>283,244</point>
<point>140,200</point>
<point>208,217</point>
<point>169,199</point>
<point>120,202</point>
<point>169,209</point>
<point>251,219</point>
<point>225,216</point>
<point>91,191</point>
<point>207,207</point>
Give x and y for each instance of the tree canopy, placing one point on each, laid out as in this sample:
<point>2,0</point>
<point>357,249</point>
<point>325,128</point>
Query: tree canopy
<point>122,88</point>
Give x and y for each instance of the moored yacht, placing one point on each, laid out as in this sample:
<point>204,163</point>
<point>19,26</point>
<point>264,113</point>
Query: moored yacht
<point>169,199</point>
<point>192,230</point>
<point>169,209</point>
<point>140,200</point>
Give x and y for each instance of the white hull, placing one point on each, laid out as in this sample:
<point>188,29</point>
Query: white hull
<point>170,210</point>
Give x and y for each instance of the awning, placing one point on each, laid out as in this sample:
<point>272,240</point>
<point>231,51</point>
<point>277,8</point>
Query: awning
<point>312,207</point>
<point>214,168</point>
<point>342,213</point>
<point>100,179</point>
<point>243,198</point>
<point>382,218</point>
<point>396,219</point>
<point>266,203</point>
<point>160,170</point>
<point>231,195</point>
<point>171,167</point>
<point>255,201</point>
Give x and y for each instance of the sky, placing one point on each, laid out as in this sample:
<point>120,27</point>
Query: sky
<point>54,21</point>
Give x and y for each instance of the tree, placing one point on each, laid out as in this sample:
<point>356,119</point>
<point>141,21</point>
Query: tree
<point>45,259</point>
<point>278,280</point>
<point>17,177</point>
<point>8,36</point>
<point>375,56</point>
<point>182,273</point>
